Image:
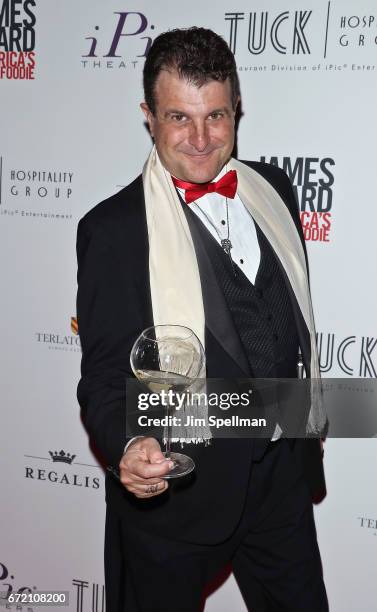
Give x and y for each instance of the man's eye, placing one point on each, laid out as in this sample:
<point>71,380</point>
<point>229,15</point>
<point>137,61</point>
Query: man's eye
<point>216,115</point>
<point>178,118</point>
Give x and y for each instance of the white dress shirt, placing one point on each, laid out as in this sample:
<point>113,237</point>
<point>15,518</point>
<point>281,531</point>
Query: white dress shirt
<point>211,210</point>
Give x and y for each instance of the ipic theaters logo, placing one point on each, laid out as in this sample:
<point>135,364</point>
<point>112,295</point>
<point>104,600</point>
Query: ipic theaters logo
<point>355,356</point>
<point>64,471</point>
<point>313,181</point>
<point>9,585</point>
<point>61,342</point>
<point>89,596</point>
<point>17,39</point>
<point>125,46</point>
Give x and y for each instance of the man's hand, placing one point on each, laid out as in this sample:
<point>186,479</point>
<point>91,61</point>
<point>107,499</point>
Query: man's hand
<point>142,467</point>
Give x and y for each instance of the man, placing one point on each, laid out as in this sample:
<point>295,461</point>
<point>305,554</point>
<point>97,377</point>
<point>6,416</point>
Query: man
<point>221,265</point>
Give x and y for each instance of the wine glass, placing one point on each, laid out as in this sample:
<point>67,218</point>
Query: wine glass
<point>168,357</point>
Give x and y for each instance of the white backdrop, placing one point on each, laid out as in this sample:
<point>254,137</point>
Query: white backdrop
<point>72,135</point>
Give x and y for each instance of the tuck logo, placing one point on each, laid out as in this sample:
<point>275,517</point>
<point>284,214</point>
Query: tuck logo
<point>17,39</point>
<point>284,31</point>
<point>355,356</point>
<point>89,596</point>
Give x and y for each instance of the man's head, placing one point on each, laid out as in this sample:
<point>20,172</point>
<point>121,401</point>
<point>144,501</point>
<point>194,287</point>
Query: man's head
<point>191,94</point>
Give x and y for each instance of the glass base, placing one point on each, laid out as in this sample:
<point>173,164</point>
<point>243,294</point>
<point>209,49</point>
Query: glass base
<point>182,465</point>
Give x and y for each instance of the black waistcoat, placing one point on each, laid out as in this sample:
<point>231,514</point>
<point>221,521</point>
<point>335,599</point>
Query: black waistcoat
<point>261,312</point>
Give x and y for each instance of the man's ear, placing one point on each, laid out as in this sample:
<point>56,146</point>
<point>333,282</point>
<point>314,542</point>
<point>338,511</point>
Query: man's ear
<point>148,116</point>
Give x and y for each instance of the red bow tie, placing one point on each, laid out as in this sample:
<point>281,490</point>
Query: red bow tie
<point>226,186</point>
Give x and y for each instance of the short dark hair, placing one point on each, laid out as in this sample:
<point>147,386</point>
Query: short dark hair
<point>197,54</point>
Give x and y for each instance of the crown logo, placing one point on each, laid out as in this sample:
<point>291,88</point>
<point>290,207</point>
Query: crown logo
<point>74,326</point>
<point>61,457</point>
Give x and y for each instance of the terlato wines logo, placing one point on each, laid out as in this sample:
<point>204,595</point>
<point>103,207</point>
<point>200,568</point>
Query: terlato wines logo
<point>17,39</point>
<point>368,523</point>
<point>61,342</point>
<point>74,326</point>
<point>313,180</point>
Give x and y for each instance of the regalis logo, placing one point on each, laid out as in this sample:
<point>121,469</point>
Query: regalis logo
<point>61,457</point>
<point>313,180</point>
<point>64,470</point>
<point>17,39</point>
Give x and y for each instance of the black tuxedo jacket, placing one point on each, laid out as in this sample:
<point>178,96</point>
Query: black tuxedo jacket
<point>113,307</point>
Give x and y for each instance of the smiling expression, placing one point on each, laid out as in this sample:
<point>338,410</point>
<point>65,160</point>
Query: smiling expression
<point>193,127</point>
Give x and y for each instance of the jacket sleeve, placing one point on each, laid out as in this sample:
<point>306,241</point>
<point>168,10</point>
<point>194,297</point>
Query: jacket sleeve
<point>106,341</point>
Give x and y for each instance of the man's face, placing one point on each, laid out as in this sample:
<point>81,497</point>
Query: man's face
<point>193,127</point>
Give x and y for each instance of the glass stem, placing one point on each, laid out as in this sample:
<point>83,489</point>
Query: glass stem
<point>168,432</point>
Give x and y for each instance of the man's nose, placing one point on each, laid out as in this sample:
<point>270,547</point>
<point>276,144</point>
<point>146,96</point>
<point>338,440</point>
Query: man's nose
<point>199,136</point>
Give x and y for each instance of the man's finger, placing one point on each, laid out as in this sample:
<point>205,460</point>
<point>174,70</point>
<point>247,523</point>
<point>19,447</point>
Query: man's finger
<point>142,469</point>
<point>148,491</point>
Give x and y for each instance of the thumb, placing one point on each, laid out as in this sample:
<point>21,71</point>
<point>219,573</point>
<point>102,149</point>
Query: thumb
<point>154,452</point>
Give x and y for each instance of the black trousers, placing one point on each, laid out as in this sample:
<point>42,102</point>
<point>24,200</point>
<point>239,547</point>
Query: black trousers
<point>273,552</point>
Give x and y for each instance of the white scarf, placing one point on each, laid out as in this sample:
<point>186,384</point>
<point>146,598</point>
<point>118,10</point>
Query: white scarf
<point>173,268</point>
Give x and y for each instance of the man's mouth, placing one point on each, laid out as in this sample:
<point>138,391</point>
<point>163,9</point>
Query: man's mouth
<point>199,155</point>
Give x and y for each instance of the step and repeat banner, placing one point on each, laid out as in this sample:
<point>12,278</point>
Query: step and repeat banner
<point>71,134</point>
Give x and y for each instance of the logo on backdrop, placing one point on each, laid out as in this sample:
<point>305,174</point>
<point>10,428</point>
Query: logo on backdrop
<point>313,181</point>
<point>40,184</point>
<point>23,187</point>
<point>357,31</point>
<point>89,596</point>
<point>285,32</point>
<point>61,342</point>
<point>74,326</point>
<point>10,585</point>
<point>303,37</point>
<point>17,39</point>
<point>368,523</point>
<point>126,45</point>
<point>354,355</point>
<point>65,470</point>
